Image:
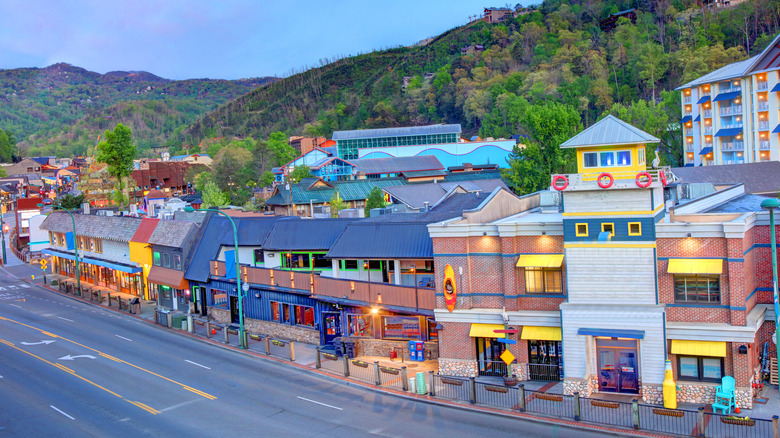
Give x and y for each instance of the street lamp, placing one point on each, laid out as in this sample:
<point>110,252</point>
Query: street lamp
<point>75,244</point>
<point>416,299</point>
<point>239,290</point>
<point>4,229</point>
<point>771,205</point>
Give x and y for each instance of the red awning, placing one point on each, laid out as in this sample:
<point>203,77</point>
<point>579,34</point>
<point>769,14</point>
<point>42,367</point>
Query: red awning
<point>167,277</point>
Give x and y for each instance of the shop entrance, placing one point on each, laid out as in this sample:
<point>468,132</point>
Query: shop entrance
<point>331,322</point>
<point>489,361</point>
<point>545,360</point>
<point>618,362</point>
<point>234,309</point>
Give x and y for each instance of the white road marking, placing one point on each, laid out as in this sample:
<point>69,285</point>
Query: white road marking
<point>15,305</point>
<point>195,363</point>
<point>122,337</point>
<point>170,408</point>
<point>65,319</point>
<point>69,357</point>
<point>46,342</point>
<point>63,413</point>
<point>319,403</point>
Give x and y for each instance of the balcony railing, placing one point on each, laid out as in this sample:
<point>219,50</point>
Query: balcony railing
<point>730,110</point>
<point>689,148</point>
<point>707,130</point>
<point>689,131</point>
<point>706,113</point>
<point>687,99</point>
<point>733,88</point>
<point>763,145</point>
<point>733,125</point>
<point>732,146</point>
<point>622,179</point>
<point>763,126</point>
<point>762,86</point>
<point>763,105</point>
<point>362,291</point>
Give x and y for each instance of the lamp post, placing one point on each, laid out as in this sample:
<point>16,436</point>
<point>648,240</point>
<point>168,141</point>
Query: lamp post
<point>239,289</point>
<point>3,231</point>
<point>771,205</point>
<point>288,186</point>
<point>416,297</point>
<point>75,244</point>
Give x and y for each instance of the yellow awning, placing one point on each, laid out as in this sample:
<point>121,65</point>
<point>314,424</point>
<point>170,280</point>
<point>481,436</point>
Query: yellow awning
<point>486,331</point>
<point>699,348</point>
<point>541,333</point>
<point>540,261</point>
<point>695,266</point>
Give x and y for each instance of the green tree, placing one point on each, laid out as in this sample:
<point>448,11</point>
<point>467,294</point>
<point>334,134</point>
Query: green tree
<point>375,200</point>
<point>227,167</point>
<point>213,196</point>
<point>7,146</point>
<point>69,201</point>
<point>118,152</point>
<point>201,180</point>
<point>3,173</point>
<point>301,172</point>
<point>267,178</point>
<point>336,204</point>
<point>280,149</point>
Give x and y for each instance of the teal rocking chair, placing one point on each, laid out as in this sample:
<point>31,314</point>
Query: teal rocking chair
<point>724,396</point>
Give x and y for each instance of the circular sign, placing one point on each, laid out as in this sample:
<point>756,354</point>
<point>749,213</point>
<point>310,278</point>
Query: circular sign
<point>245,287</point>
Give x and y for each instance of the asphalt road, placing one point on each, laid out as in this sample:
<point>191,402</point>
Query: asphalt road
<point>71,369</point>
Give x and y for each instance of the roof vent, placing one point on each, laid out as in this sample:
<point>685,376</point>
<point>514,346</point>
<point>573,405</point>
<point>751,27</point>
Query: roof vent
<point>426,206</point>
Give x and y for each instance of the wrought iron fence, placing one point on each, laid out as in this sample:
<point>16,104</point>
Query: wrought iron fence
<point>451,388</point>
<point>671,421</point>
<point>499,396</point>
<point>615,413</point>
<point>543,371</point>
<point>361,370</point>
<point>726,426</point>
<point>393,377</point>
<point>557,405</point>
<point>330,362</point>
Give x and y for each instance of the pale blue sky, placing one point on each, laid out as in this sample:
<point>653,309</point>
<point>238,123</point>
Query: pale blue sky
<point>230,39</point>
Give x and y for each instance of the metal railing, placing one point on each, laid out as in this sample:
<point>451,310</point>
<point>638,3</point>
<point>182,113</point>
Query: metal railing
<point>762,85</point>
<point>731,110</point>
<point>763,126</point>
<point>706,113</point>
<point>732,146</point>
<point>733,125</point>
<point>687,99</point>
<point>543,371</point>
<point>707,130</point>
<point>763,105</point>
<point>732,89</point>
<point>763,145</point>
<point>688,131</point>
<point>726,426</point>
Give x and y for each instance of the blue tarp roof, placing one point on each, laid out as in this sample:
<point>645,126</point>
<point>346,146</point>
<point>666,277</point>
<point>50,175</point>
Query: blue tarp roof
<point>217,231</point>
<point>728,132</point>
<point>705,151</point>
<point>309,234</point>
<point>727,96</point>
<point>703,99</point>
<point>685,119</point>
<point>387,241</point>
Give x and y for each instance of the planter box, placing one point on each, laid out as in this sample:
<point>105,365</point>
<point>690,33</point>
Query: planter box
<point>550,397</point>
<point>330,356</point>
<point>278,343</point>
<point>668,412</point>
<point>738,421</point>
<point>605,404</point>
<point>392,371</point>
<point>493,388</point>
<point>360,363</point>
<point>455,382</point>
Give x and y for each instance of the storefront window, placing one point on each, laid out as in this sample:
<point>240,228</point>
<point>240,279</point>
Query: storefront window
<point>165,291</point>
<point>360,325</point>
<point>298,261</point>
<point>433,333</point>
<point>286,312</point>
<point>156,259</point>
<point>304,315</point>
<point>320,262</point>
<point>176,261</point>
<point>259,256</point>
<point>219,298</point>
<point>401,327</point>
<point>350,265</point>
<point>167,260</point>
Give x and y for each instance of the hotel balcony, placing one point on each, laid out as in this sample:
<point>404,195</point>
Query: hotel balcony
<point>731,110</point>
<point>360,292</point>
<point>623,179</point>
<point>762,85</point>
<point>763,145</point>
<point>763,126</point>
<point>732,89</point>
<point>708,130</point>
<point>706,113</point>
<point>733,125</point>
<point>689,132</point>
<point>732,146</point>
<point>687,99</point>
<point>763,106</point>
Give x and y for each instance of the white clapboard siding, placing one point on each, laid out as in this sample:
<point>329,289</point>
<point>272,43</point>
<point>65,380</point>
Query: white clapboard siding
<point>658,197</point>
<point>606,201</point>
<point>610,275</point>
<point>647,318</point>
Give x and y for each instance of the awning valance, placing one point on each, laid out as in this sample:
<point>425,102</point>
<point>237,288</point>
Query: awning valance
<point>486,331</point>
<point>167,277</point>
<point>698,117</point>
<point>695,266</point>
<point>776,130</point>
<point>93,261</point>
<point>541,333</point>
<point>540,261</point>
<point>699,348</point>
<point>612,333</point>
<point>776,87</point>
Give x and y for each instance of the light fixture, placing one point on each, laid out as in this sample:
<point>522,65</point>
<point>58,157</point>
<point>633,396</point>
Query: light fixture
<point>257,295</point>
<point>688,235</point>
<point>544,233</point>
<point>484,233</point>
<point>374,310</point>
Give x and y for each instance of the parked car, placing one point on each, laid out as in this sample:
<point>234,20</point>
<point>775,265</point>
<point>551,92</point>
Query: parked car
<point>47,201</point>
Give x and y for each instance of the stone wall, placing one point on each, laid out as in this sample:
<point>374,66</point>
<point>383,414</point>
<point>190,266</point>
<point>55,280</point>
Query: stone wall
<point>586,387</point>
<point>703,393</point>
<point>268,328</point>
<point>520,370</point>
<point>458,367</point>
<point>382,348</point>
<point>652,394</point>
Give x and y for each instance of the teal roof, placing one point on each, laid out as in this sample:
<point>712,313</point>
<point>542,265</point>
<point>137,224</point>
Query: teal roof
<point>348,190</point>
<point>609,131</point>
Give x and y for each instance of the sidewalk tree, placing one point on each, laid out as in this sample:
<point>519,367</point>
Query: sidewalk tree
<point>118,152</point>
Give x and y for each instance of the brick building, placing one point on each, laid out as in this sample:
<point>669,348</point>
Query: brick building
<point>604,280</point>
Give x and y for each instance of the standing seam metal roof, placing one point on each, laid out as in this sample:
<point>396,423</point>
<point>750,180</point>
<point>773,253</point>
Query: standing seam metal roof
<point>308,234</point>
<point>397,132</point>
<point>377,240</point>
<point>609,131</point>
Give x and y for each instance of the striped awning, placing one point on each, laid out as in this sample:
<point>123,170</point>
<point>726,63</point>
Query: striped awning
<point>698,348</point>
<point>540,261</point>
<point>541,333</point>
<point>695,266</point>
<point>486,331</point>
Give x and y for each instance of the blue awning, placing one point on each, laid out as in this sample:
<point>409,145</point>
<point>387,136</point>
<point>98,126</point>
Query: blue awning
<point>706,150</point>
<point>688,165</point>
<point>112,265</point>
<point>697,118</point>
<point>612,333</point>
<point>728,132</point>
<point>60,254</point>
<point>686,119</point>
<point>777,87</point>
<point>727,96</point>
<point>703,99</point>
<point>776,130</point>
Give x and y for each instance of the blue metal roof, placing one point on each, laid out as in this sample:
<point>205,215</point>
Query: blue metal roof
<point>309,234</point>
<point>397,132</point>
<point>685,119</point>
<point>727,96</point>
<point>703,99</point>
<point>728,132</point>
<point>372,166</point>
<point>388,240</point>
<point>697,118</point>
<point>609,131</point>
<point>217,231</point>
<point>776,130</point>
<point>705,151</point>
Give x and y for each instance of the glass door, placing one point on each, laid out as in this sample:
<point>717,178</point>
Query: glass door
<point>331,322</point>
<point>618,365</point>
<point>489,361</point>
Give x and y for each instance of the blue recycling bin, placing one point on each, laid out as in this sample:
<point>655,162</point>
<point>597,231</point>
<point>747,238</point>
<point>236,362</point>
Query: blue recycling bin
<point>412,350</point>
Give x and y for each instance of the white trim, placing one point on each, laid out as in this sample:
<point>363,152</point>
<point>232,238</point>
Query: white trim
<point>719,332</point>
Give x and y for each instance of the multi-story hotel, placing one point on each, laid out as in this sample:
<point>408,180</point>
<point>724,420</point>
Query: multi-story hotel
<point>730,115</point>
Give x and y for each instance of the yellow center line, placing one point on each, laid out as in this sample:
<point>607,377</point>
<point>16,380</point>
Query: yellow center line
<point>188,388</point>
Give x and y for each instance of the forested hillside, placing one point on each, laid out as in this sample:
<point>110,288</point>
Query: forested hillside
<point>41,106</point>
<point>555,54</point>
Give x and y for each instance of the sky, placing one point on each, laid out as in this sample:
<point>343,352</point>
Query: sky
<point>217,39</point>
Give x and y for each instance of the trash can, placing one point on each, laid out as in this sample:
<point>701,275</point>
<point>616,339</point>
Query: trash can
<point>338,344</point>
<point>349,347</point>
